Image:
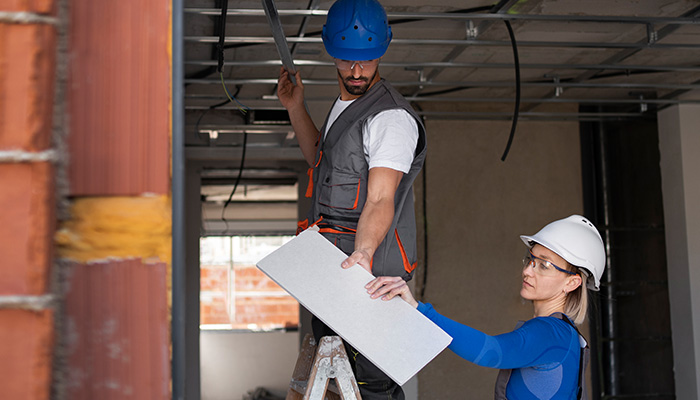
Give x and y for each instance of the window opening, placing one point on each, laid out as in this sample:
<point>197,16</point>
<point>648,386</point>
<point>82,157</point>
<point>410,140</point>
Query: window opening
<point>234,293</point>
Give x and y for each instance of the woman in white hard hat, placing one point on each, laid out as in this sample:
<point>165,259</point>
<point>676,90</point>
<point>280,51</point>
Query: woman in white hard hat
<point>544,357</point>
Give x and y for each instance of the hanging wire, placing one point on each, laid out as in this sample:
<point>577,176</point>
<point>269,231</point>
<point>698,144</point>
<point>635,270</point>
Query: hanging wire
<point>238,180</point>
<point>220,65</point>
<point>196,125</point>
<point>241,107</point>
<point>516,111</point>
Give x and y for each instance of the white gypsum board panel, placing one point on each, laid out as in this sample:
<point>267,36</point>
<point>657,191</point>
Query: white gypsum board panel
<point>393,335</point>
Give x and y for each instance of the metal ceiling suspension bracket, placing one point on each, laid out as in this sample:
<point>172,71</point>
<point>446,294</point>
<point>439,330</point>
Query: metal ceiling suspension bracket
<point>652,34</point>
<point>273,19</point>
<point>472,31</point>
<point>558,90</point>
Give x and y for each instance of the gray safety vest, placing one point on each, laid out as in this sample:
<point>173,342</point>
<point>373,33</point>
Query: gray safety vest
<point>584,357</point>
<point>338,184</point>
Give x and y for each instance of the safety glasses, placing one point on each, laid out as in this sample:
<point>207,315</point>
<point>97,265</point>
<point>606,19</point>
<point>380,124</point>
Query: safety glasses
<point>541,266</point>
<point>347,65</point>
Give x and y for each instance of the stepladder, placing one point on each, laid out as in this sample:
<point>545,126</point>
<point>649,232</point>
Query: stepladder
<point>323,372</point>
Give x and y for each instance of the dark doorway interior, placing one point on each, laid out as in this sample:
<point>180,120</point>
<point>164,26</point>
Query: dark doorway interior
<point>630,316</point>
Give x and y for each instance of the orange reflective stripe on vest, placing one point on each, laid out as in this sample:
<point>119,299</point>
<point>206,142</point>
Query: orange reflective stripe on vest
<point>304,225</point>
<point>406,264</point>
<point>310,185</point>
<point>310,173</point>
<point>357,197</point>
<point>333,228</point>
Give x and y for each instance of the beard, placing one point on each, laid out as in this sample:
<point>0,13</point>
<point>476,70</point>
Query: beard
<point>357,90</point>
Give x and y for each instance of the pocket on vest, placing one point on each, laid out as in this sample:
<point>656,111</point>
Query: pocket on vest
<point>340,190</point>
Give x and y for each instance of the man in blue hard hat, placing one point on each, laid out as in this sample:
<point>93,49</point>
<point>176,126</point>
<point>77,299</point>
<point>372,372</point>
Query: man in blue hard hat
<point>363,162</point>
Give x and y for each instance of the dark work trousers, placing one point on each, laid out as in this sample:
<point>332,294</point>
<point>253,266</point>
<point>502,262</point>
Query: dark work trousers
<point>373,383</point>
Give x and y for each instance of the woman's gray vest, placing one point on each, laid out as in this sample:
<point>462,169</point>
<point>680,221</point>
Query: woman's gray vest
<point>338,184</point>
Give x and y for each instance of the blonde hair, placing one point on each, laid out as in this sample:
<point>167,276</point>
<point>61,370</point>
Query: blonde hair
<point>576,303</point>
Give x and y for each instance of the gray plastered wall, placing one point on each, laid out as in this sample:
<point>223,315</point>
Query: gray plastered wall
<point>477,206</point>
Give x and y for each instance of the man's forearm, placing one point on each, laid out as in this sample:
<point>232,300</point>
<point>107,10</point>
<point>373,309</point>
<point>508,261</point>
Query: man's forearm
<point>377,215</point>
<point>373,225</point>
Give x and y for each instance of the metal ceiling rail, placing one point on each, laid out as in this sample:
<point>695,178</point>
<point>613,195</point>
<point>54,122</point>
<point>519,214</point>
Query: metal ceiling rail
<point>231,153</point>
<point>549,100</point>
<point>507,115</point>
<point>252,129</point>
<point>239,128</point>
<point>651,37</point>
<point>442,99</point>
<point>453,42</point>
<point>314,63</point>
<point>502,7</point>
<point>301,32</point>
<point>474,84</point>
<point>215,173</point>
<point>467,16</point>
<point>461,115</point>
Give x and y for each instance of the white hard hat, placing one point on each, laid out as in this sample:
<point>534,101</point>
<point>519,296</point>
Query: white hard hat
<point>577,241</point>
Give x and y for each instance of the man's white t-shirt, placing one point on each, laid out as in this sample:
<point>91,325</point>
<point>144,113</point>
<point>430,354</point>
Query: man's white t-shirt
<point>389,137</point>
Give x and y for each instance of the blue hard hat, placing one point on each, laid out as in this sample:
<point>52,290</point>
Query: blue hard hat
<point>356,30</point>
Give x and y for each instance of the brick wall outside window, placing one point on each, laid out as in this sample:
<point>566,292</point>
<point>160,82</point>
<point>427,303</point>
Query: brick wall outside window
<point>235,292</point>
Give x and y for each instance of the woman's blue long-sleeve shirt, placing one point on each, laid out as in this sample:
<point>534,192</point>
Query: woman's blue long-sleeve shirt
<point>543,354</point>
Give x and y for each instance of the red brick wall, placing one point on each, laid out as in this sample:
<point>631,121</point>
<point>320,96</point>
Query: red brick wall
<point>214,281</point>
<point>263,311</point>
<point>26,232</point>
<point>26,345</point>
<point>119,106</point>
<point>27,205</point>
<point>119,97</point>
<point>119,145</point>
<point>118,315</point>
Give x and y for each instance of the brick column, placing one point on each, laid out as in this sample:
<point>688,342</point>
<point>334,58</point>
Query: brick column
<point>27,200</point>
<point>116,242</point>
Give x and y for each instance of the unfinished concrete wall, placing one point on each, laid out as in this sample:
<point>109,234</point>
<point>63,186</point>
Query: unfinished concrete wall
<point>27,201</point>
<point>476,207</point>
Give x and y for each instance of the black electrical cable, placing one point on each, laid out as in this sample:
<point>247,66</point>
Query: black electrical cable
<point>221,47</point>
<point>196,125</point>
<point>217,105</point>
<point>201,74</point>
<point>444,91</point>
<point>516,111</point>
<point>460,11</point>
<point>238,180</point>
<point>222,36</point>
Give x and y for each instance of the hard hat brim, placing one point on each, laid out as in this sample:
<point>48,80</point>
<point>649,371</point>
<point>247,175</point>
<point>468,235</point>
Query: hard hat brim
<point>531,241</point>
<point>344,53</point>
